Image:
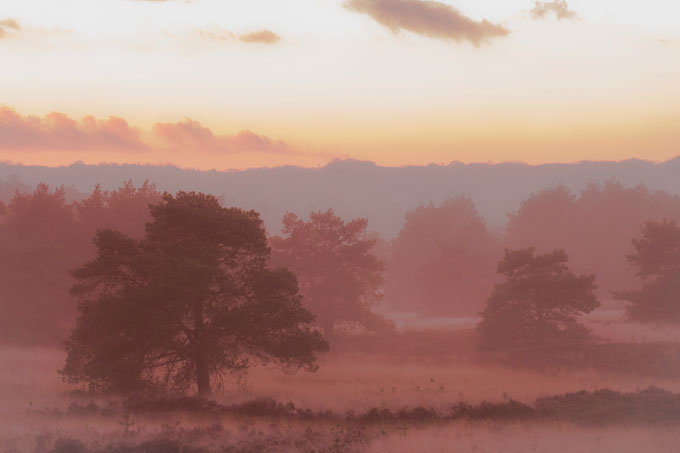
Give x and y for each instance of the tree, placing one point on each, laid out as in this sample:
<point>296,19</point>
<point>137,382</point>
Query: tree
<point>657,260</point>
<point>42,237</point>
<point>538,304</point>
<point>125,209</point>
<point>593,226</point>
<point>39,242</point>
<point>442,261</point>
<point>339,275</point>
<point>189,301</point>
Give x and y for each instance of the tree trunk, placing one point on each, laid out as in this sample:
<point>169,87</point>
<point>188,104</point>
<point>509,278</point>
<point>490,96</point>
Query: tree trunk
<point>202,371</point>
<point>202,375</point>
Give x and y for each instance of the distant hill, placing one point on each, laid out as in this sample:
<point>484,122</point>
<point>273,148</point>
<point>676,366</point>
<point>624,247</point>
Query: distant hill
<point>358,189</point>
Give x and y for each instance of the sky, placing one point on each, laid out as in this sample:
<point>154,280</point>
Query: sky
<point>221,84</point>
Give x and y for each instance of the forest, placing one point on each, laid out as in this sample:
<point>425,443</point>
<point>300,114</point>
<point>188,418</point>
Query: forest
<point>175,322</point>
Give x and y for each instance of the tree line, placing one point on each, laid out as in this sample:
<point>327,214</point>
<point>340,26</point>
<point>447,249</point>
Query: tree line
<point>442,262</point>
<point>42,238</point>
<point>176,289</point>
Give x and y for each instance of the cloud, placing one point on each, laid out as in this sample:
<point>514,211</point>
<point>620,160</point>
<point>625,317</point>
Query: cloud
<point>558,7</point>
<point>217,34</point>
<point>6,25</point>
<point>190,135</point>
<point>220,34</point>
<point>58,131</point>
<point>262,36</point>
<point>668,42</point>
<point>10,23</point>
<point>427,18</point>
<point>11,28</point>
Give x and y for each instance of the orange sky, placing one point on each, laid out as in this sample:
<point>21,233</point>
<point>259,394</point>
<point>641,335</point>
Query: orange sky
<point>228,84</point>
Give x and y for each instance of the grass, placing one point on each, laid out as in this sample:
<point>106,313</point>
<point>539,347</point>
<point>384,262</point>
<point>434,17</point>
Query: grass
<point>491,437</point>
<point>353,403</point>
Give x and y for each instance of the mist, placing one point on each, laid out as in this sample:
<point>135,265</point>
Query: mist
<point>359,313</point>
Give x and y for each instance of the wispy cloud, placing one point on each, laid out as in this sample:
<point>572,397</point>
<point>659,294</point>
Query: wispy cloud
<point>11,28</point>
<point>262,36</point>
<point>428,18</point>
<point>220,34</point>
<point>668,42</point>
<point>8,25</point>
<point>557,7</point>
<point>216,34</point>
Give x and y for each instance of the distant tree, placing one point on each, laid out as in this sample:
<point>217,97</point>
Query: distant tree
<point>42,237</point>
<point>538,304</point>
<point>39,242</point>
<point>9,187</point>
<point>594,226</point>
<point>189,301</point>
<point>443,260</point>
<point>545,220</point>
<point>657,260</point>
<point>340,277</point>
<point>125,209</point>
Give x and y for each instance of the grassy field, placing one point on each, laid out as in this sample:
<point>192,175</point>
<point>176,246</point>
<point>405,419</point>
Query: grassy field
<point>352,403</point>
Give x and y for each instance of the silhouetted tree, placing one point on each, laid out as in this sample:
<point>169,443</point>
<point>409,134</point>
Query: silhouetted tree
<point>340,278</point>
<point>537,305</point>
<point>443,260</point>
<point>657,260</point>
<point>191,300</point>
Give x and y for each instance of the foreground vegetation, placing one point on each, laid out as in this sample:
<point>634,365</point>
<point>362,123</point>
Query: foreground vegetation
<point>354,403</point>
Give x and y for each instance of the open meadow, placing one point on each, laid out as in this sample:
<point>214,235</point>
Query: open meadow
<point>353,403</point>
